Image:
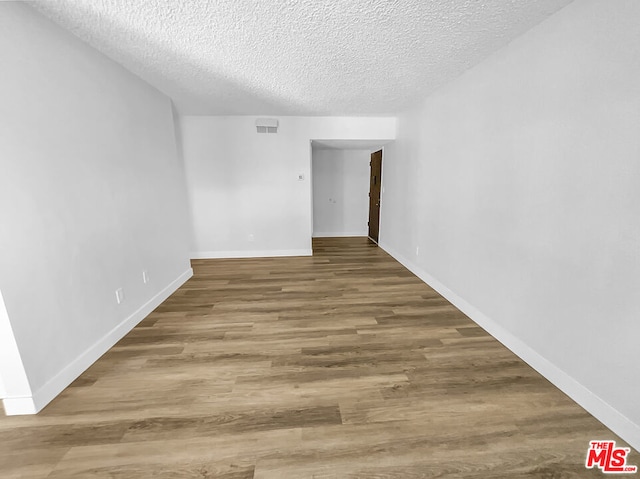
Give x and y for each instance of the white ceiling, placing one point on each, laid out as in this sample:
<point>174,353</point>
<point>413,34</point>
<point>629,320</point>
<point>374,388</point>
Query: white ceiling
<point>298,57</point>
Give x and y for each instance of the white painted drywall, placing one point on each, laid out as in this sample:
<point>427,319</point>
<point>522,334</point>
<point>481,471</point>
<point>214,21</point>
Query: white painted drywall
<point>91,194</point>
<point>520,184</point>
<point>245,195</point>
<point>340,192</point>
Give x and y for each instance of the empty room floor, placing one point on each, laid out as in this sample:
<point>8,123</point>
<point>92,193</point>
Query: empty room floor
<point>340,365</point>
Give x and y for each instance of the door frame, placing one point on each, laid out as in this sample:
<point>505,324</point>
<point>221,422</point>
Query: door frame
<point>310,179</point>
<point>381,150</point>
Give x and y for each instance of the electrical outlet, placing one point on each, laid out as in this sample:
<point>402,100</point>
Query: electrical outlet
<point>145,276</point>
<point>119,295</point>
<point>251,238</point>
<point>417,250</point>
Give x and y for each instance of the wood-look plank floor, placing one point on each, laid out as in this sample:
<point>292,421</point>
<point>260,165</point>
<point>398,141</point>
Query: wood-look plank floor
<point>340,365</point>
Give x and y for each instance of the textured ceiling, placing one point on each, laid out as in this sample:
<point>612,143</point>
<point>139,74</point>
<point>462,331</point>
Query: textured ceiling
<point>297,57</point>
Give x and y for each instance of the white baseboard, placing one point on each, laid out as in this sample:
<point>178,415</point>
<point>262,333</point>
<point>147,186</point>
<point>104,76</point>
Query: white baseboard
<point>250,254</point>
<point>19,406</point>
<point>53,387</point>
<point>600,409</point>
<point>340,235</point>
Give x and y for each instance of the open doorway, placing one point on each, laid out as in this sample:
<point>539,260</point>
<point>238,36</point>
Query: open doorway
<point>340,189</point>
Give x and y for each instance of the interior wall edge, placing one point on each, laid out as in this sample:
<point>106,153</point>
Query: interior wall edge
<point>14,382</point>
<point>53,387</point>
<point>592,403</point>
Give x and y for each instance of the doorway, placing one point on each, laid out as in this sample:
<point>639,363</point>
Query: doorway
<point>375,183</point>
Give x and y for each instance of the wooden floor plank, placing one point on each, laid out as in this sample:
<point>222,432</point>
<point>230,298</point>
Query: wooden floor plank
<point>341,365</point>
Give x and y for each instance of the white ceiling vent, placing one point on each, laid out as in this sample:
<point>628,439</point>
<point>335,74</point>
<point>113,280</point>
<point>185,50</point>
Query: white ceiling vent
<point>267,125</point>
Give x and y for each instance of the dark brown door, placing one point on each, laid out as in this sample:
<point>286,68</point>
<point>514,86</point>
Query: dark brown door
<point>374,195</point>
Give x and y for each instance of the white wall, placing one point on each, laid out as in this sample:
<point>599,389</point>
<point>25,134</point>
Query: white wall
<point>245,195</point>
<point>519,183</point>
<point>340,192</point>
<point>12,373</point>
<point>91,194</point>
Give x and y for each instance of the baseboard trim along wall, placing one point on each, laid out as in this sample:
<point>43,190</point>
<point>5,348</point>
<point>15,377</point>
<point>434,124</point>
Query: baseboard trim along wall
<point>601,410</point>
<point>31,405</point>
<point>341,235</point>
<point>19,406</point>
<point>250,254</point>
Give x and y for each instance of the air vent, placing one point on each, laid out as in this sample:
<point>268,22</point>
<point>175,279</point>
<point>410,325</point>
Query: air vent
<point>267,129</point>
<point>267,125</point>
